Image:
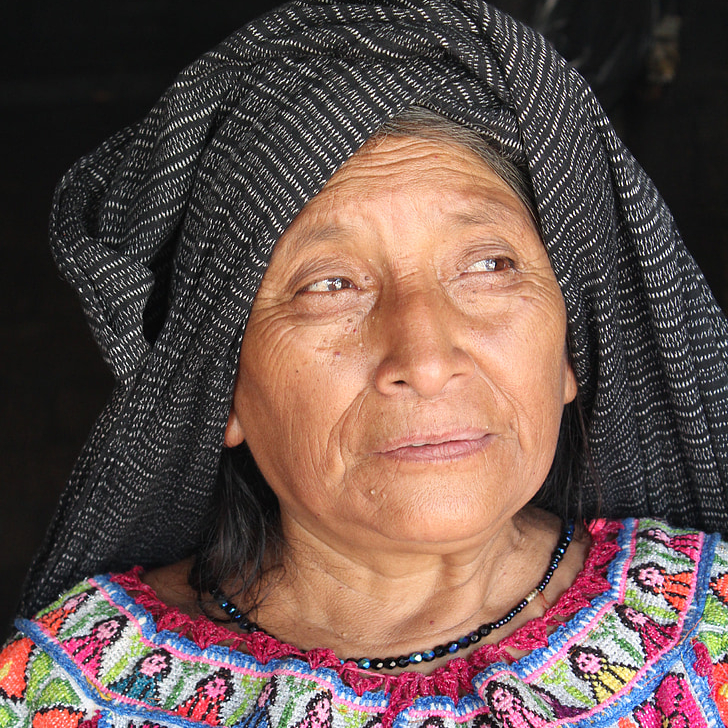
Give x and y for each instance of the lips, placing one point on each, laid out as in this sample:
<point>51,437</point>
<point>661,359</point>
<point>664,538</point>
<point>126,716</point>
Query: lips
<point>437,447</point>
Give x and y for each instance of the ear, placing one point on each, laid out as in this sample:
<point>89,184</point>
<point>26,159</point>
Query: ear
<point>571,388</point>
<point>234,434</point>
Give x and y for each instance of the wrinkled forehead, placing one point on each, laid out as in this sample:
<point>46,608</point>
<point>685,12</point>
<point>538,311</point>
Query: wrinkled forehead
<point>408,178</point>
<point>401,164</point>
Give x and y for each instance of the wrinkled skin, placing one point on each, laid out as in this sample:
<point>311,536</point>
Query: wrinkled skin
<point>401,384</point>
<point>404,370</point>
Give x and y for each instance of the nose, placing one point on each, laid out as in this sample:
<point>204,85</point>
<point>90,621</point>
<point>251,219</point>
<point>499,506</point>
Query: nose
<point>419,337</point>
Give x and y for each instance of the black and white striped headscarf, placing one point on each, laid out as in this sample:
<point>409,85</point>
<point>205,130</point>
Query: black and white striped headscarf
<point>167,228</point>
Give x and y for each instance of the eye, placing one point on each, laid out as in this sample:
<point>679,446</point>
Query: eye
<point>490,265</point>
<point>329,285</point>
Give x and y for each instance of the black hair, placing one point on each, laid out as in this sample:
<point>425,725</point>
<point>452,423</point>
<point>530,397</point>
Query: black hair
<point>242,530</point>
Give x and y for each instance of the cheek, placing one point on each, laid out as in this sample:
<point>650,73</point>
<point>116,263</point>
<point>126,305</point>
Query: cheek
<point>296,388</point>
<point>524,355</point>
<point>524,359</point>
<point>304,377</point>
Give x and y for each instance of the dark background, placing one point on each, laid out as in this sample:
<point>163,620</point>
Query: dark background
<point>74,72</point>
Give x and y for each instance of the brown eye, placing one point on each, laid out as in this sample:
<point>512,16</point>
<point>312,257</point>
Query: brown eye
<point>328,285</point>
<point>490,265</point>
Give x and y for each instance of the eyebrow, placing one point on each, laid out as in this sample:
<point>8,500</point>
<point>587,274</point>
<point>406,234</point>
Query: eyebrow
<point>311,235</point>
<point>487,213</point>
<point>479,215</point>
<point>494,212</point>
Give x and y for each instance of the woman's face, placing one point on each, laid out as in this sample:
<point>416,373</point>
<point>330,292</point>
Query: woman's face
<point>404,369</point>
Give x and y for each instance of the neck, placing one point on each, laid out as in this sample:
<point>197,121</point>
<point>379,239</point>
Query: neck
<point>391,602</point>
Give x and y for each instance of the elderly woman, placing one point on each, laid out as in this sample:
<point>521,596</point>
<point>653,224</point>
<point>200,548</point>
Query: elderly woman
<point>392,260</point>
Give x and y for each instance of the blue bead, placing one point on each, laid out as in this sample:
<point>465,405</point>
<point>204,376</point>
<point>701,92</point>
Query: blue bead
<point>464,642</point>
<point>428,655</point>
<point>415,657</point>
<point>364,663</point>
<point>453,647</point>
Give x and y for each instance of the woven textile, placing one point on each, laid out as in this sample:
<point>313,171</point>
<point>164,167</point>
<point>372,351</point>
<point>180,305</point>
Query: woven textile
<point>649,651</point>
<point>166,230</point>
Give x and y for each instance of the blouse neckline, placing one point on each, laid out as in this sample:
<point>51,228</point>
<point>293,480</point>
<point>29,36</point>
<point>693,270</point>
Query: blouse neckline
<point>452,679</point>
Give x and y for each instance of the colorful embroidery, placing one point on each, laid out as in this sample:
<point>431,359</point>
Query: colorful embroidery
<point>318,712</point>
<point>508,708</point>
<point>260,716</point>
<point>687,543</point>
<point>89,649</point>
<point>57,718</point>
<point>652,635</point>
<point>53,620</point>
<point>719,587</point>
<point>103,655</point>
<point>655,579</point>
<point>210,694</point>
<point>144,680</point>
<point>673,705</point>
<point>605,677</point>
<point>15,658</point>
<point>720,689</point>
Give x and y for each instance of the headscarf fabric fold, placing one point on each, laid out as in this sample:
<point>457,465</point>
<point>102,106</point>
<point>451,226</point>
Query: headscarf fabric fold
<point>166,230</point>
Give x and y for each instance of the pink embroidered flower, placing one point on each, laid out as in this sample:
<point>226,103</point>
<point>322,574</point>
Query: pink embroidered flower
<point>501,699</point>
<point>153,664</point>
<point>588,662</point>
<point>107,630</point>
<point>635,617</point>
<point>650,576</point>
<point>216,688</point>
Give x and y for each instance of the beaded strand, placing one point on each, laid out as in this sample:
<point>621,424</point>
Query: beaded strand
<point>447,648</point>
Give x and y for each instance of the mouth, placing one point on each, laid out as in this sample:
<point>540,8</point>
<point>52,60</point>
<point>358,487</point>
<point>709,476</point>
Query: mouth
<point>433,448</point>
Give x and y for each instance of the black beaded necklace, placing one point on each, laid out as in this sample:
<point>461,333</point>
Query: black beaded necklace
<point>447,648</point>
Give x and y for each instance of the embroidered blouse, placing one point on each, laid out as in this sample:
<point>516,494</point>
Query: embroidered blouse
<point>647,649</point>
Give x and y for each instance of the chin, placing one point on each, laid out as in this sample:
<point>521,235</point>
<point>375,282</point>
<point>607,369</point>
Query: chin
<point>443,527</point>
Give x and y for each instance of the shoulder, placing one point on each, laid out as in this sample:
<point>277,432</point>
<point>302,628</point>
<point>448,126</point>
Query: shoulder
<point>107,648</point>
<point>632,651</point>
<point>665,569</point>
<point>110,654</point>
<point>81,646</point>
<point>711,636</point>
<point>38,682</point>
<point>95,625</point>
<point>85,626</point>
<point>656,593</point>
<point>675,581</point>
